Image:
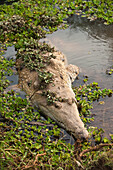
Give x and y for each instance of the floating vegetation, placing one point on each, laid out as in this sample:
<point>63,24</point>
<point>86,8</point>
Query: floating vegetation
<point>86,95</point>
<point>35,56</point>
<point>26,140</point>
<point>17,28</point>
<point>109,71</point>
<point>5,69</point>
<point>52,98</point>
<point>96,9</point>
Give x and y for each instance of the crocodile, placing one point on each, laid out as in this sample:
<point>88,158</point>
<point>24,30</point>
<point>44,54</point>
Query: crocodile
<point>57,100</point>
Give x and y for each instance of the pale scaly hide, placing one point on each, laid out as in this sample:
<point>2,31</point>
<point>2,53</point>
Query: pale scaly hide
<point>64,111</point>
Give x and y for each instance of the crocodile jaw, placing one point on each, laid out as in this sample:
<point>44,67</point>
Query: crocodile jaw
<point>66,116</point>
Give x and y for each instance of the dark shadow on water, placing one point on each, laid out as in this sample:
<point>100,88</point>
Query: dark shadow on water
<point>2,2</point>
<point>95,29</point>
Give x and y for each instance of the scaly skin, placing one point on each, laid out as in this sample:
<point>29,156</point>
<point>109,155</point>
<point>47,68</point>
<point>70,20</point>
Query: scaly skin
<point>63,111</point>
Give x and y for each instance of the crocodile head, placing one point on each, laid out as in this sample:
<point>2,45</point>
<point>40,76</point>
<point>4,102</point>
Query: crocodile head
<point>64,113</point>
<point>64,109</point>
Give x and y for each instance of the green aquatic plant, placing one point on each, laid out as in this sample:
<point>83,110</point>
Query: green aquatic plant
<point>26,140</point>
<point>17,28</point>
<point>36,56</point>
<point>5,70</point>
<point>52,98</point>
<point>45,17</point>
<point>109,71</point>
<point>45,78</point>
<point>86,95</point>
<point>96,9</point>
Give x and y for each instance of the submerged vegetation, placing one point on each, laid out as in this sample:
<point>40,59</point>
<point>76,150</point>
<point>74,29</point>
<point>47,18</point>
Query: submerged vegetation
<point>27,141</point>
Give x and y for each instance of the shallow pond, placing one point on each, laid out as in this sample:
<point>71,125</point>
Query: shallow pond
<point>89,45</point>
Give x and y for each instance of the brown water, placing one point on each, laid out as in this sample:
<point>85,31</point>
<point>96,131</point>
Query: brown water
<point>89,45</point>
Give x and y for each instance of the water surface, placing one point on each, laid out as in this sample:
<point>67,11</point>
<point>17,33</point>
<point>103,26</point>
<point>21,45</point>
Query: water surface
<point>89,45</point>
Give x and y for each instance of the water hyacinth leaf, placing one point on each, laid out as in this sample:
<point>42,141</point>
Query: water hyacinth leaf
<point>25,141</point>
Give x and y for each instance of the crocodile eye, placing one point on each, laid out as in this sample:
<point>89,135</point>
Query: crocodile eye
<point>61,76</point>
<point>29,83</point>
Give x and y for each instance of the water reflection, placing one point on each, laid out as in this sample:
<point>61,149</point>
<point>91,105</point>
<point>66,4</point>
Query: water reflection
<point>95,29</point>
<point>87,45</point>
<point>90,46</point>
